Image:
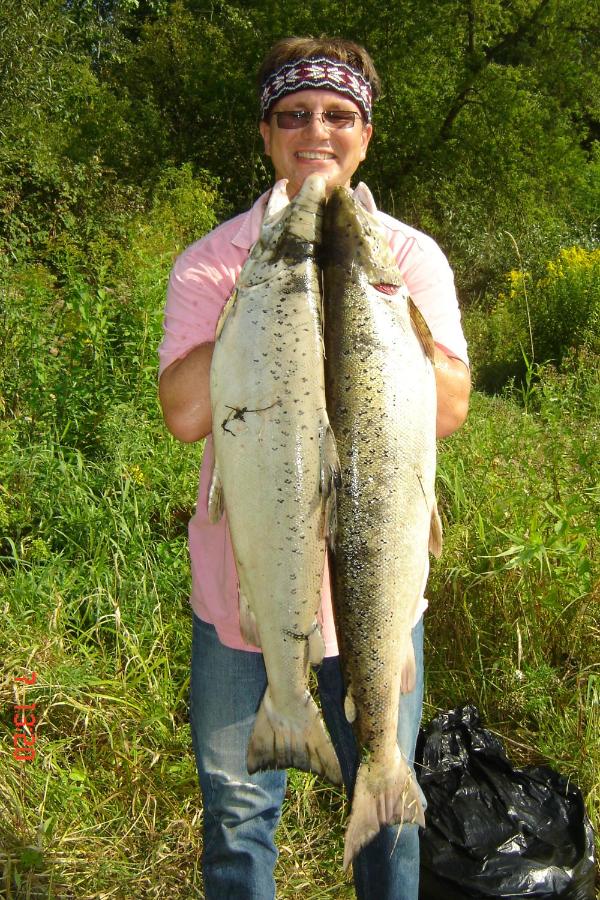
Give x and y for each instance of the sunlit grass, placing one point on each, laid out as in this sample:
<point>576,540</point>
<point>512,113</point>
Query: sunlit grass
<point>98,607</point>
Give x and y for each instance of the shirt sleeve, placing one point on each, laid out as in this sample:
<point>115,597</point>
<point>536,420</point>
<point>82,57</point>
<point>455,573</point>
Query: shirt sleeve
<point>202,279</point>
<point>430,281</point>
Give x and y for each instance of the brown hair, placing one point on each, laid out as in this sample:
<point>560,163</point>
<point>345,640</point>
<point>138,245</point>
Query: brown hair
<point>290,49</point>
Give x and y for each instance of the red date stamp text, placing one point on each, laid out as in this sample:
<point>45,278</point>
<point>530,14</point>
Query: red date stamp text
<point>24,720</point>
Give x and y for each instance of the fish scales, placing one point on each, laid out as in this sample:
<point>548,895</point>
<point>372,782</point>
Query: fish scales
<point>382,404</point>
<point>274,462</point>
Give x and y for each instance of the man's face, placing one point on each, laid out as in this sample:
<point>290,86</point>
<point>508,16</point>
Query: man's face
<point>333,153</point>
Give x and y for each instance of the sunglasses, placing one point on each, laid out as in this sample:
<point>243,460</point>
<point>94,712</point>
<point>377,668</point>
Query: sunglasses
<point>300,118</point>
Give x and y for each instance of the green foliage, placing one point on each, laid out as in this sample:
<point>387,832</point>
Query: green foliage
<point>513,620</point>
<point>69,345</point>
<point>551,317</point>
<point>94,574</point>
<point>488,121</point>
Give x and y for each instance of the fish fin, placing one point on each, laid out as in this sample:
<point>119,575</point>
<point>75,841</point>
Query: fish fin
<point>422,329</point>
<point>248,624</point>
<point>331,480</point>
<point>383,795</point>
<point>349,706</point>
<point>435,533</point>
<point>331,521</point>
<point>316,645</point>
<point>408,670</point>
<point>297,738</point>
<point>225,313</point>
<point>215,497</point>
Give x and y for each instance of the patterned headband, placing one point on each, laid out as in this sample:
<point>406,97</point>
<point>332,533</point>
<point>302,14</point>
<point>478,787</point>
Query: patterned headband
<point>316,73</point>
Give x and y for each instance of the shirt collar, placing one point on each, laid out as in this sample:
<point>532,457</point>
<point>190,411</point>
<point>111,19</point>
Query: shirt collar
<point>267,204</point>
<point>365,197</point>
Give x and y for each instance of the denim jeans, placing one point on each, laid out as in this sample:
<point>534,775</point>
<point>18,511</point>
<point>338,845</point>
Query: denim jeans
<point>242,811</point>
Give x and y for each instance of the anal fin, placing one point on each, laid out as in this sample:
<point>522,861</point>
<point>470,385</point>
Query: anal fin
<point>248,624</point>
<point>435,532</point>
<point>316,645</point>
<point>349,706</point>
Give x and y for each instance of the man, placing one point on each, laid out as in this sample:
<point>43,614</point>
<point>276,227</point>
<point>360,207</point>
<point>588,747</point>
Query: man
<point>316,103</point>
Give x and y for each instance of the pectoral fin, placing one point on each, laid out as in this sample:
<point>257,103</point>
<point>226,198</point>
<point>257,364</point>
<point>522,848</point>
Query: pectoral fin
<point>225,314</point>
<point>422,329</point>
<point>215,497</point>
<point>331,480</point>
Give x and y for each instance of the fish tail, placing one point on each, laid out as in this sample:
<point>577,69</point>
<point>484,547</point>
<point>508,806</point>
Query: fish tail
<point>383,795</point>
<point>295,738</point>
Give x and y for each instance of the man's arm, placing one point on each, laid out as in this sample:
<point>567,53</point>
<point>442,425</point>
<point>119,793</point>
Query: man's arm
<point>184,393</point>
<point>453,383</point>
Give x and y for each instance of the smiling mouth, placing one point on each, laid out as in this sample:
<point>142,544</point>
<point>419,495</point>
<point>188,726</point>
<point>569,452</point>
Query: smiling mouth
<point>313,154</point>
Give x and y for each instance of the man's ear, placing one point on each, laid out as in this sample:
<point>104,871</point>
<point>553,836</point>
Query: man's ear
<point>367,133</point>
<point>265,130</point>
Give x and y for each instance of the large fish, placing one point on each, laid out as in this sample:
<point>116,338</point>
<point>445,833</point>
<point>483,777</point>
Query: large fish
<point>381,400</point>
<point>275,467</point>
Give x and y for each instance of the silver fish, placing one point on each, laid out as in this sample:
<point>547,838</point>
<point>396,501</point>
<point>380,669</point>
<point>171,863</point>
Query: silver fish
<point>275,468</point>
<point>381,400</point>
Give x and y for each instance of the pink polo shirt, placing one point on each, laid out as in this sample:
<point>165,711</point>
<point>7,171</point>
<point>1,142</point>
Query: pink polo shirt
<point>201,281</point>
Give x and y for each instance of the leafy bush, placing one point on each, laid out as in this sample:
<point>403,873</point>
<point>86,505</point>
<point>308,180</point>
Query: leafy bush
<point>542,319</point>
<point>76,343</point>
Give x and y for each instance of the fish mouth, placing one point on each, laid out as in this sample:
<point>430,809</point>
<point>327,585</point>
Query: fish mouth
<point>356,242</point>
<point>314,154</point>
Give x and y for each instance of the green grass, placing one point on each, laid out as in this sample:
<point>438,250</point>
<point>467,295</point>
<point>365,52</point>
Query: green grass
<point>95,600</point>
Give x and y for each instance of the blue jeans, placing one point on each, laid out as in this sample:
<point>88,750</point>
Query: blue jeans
<point>242,811</point>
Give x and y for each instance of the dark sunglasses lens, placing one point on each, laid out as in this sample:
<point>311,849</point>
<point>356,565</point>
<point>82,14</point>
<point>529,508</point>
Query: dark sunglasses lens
<point>340,118</point>
<point>292,119</point>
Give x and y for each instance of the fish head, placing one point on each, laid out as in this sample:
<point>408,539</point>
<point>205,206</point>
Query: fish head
<point>361,243</point>
<point>290,236</point>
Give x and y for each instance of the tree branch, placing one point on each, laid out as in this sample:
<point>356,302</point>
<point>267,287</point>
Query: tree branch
<point>475,63</point>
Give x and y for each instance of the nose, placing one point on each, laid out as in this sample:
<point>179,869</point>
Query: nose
<point>317,124</point>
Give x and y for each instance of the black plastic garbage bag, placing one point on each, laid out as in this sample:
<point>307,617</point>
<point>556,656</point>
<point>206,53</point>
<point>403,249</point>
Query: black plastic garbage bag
<point>493,830</point>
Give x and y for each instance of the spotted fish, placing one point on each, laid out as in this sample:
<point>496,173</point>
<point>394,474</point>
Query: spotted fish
<point>381,400</point>
<point>275,472</point>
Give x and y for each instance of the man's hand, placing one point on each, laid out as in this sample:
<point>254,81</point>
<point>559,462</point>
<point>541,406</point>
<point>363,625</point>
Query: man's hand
<point>453,382</point>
